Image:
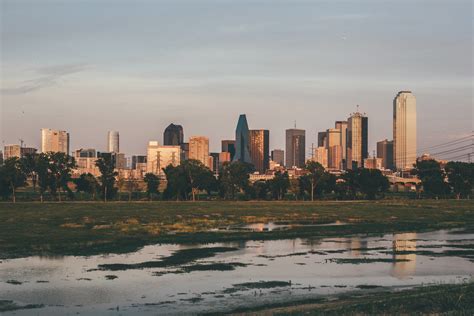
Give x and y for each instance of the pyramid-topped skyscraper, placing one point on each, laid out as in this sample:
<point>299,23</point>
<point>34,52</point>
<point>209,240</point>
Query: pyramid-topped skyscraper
<point>242,143</point>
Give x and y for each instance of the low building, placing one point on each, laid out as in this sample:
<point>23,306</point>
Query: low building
<point>373,163</point>
<point>160,157</point>
<point>17,151</point>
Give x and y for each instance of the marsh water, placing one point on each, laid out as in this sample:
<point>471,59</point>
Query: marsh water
<point>255,273</point>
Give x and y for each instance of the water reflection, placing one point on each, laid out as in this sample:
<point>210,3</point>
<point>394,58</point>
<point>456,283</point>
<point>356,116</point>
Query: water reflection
<point>404,264</point>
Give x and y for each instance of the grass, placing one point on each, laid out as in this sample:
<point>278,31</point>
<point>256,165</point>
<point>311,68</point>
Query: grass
<point>429,300</point>
<point>52,229</point>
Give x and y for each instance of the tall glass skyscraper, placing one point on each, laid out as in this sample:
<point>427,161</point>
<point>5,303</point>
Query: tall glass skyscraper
<point>404,130</point>
<point>173,135</point>
<point>242,143</point>
<point>295,148</point>
<point>357,140</point>
<point>260,149</point>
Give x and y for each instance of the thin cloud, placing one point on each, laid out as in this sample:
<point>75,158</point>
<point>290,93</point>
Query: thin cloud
<point>48,76</point>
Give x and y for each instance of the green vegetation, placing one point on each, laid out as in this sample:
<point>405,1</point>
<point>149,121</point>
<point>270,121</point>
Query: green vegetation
<point>433,300</point>
<point>94,228</point>
<point>6,306</point>
<point>256,286</point>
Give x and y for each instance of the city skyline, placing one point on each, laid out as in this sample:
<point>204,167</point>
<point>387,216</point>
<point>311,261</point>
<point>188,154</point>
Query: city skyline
<point>319,56</point>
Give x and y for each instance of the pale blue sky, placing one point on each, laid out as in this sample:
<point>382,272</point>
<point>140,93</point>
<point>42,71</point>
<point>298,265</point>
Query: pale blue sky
<point>136,66</point>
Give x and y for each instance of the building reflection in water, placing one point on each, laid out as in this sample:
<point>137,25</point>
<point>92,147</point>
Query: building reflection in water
<point>404,264</point>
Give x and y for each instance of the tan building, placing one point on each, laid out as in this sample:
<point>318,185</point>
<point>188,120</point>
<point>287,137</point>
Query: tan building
<point>342,127</point>
<point>321,156</point>
<point>85,162</point>
<point>357,141</point>
<point>17,151</point>
<point>373,163</point>
<point>334,148</point>
<point>404,130</point>
<point>199,149</point>
<point>54,141</point>
<point>160,157</point>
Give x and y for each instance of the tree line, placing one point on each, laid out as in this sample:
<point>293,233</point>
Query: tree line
<point>52,173</point>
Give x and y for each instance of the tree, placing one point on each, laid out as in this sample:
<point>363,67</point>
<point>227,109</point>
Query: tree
<point>87,183</point>
<point>152,184</point>
<point>177,186</point>
<point>106,167</point>
<point>315,172</point>
<point>460,178</point>
<point>197,176</point>
<point>432,177</point>
<point>28,163</point>
<point>43,174</point>
<point>234,178</point>
<point>372,182</point>
<point>60,169</point>
<point>261,189</point>
<point>279,185</point>
<point>12,176</point>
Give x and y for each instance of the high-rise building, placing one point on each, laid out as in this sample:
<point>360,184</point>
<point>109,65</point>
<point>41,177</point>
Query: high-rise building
<point>199,149</point>
<point>260,149</point>
<point>404,130</point>
<point>17,151</point>
<point>333,145</point>
<point>184,151</point>
<point>373,163</point>
<point>215,162</point>
<point>113,142</point>
<point>223,158</point>
<point>385,153</point>
<point>295,148</point>
<point>136,160</point>
<point>160,157</point>
<point>357,140</point>
<point>173,135</point>
<point>278,156</point>
<point>228,146</point>
<point>321,155</point>
<point>342,126</point>
<point>54,141</point>
<point>322,136</point>
<point>242,142</point>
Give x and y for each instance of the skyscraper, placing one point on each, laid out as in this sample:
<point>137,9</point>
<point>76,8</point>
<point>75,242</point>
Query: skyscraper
<point>322,139</point>
<point>173,135</point>
<point>357,140</point>
<point>260,149</point>
<point>242,144</point>
<point>199,149</point>
<point>113,142</point>
<point>404,130</point>
<point>333,145</point>
<point>295,148</point>
<point>228,146</point>
<point>54,141</point>
<point>385,153</point>
<point>342,126</point>
<point>278,156</point>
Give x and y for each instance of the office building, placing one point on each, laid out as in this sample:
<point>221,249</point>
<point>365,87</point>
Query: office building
<point>136,160</point>
<point>357,140</point>
<point>224,157</point>
<point>321,156</point>
<point>260,149</point>
<point>385,153</point>
<point>54,141</point>
<point>17,151</point>
<point>214,164</point>
<point>373,163</point>
<point>199,149</point>
<point>342,126</point>
<point>278,156</point>
<point>113,142</point>
<point>173,135</point>
<point>322,139</point>
<point>242,142</point>
<point>333,145</point>
<point>184,151</point>
<point>160,157</point>
<point>295,148</point>
<point>228,146</point>
<point>404,130</point>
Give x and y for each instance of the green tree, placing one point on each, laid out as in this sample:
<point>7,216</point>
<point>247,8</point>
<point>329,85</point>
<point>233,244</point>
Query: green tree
<point>197,176</point>
<point>372,182</point>
<point>279,185</point>
<point>432,177</point>
<point>29,162</point>
<point>43,173</point>
<point>60,169</point>
<point>12,177</point>
<point>177,187</point>
<point>317,181</point>
<point>87,183</point>
<point>106,167</point>
<point>234,178</point>
<point>152,184</point>
<point>261,189</point>
<point>460,178</point>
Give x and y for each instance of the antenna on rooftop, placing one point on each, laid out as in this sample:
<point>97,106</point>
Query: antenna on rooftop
<point>295,124</point>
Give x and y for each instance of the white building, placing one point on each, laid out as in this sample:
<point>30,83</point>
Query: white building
<point>54,141</point>
<point>160,157</point>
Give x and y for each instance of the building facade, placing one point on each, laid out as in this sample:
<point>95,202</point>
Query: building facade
<point>404,130</point>
<point>54,141</point>
<point>295,148</point>
<point>357,141</point>
<point>278,156</point>
<point>113,142</point>
<point>385,153</point>
<point>242,141</point>
<point>334,148</point>
<point>160,157</point>
<point>173,135</point>
<point>342,127</point>
<point>228,146</point>
<point>199,149</point>
<point>260,149</point>
<point>11,151</point>
<point>321,156</point>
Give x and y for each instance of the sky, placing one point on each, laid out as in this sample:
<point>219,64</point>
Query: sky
<point>136,66</point>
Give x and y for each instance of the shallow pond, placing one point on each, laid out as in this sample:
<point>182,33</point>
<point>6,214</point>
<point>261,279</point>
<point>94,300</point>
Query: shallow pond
<point>174,279</point>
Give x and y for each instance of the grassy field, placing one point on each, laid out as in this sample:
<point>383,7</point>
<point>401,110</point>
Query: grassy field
<point>429,300</point>
<point>52,229</point>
